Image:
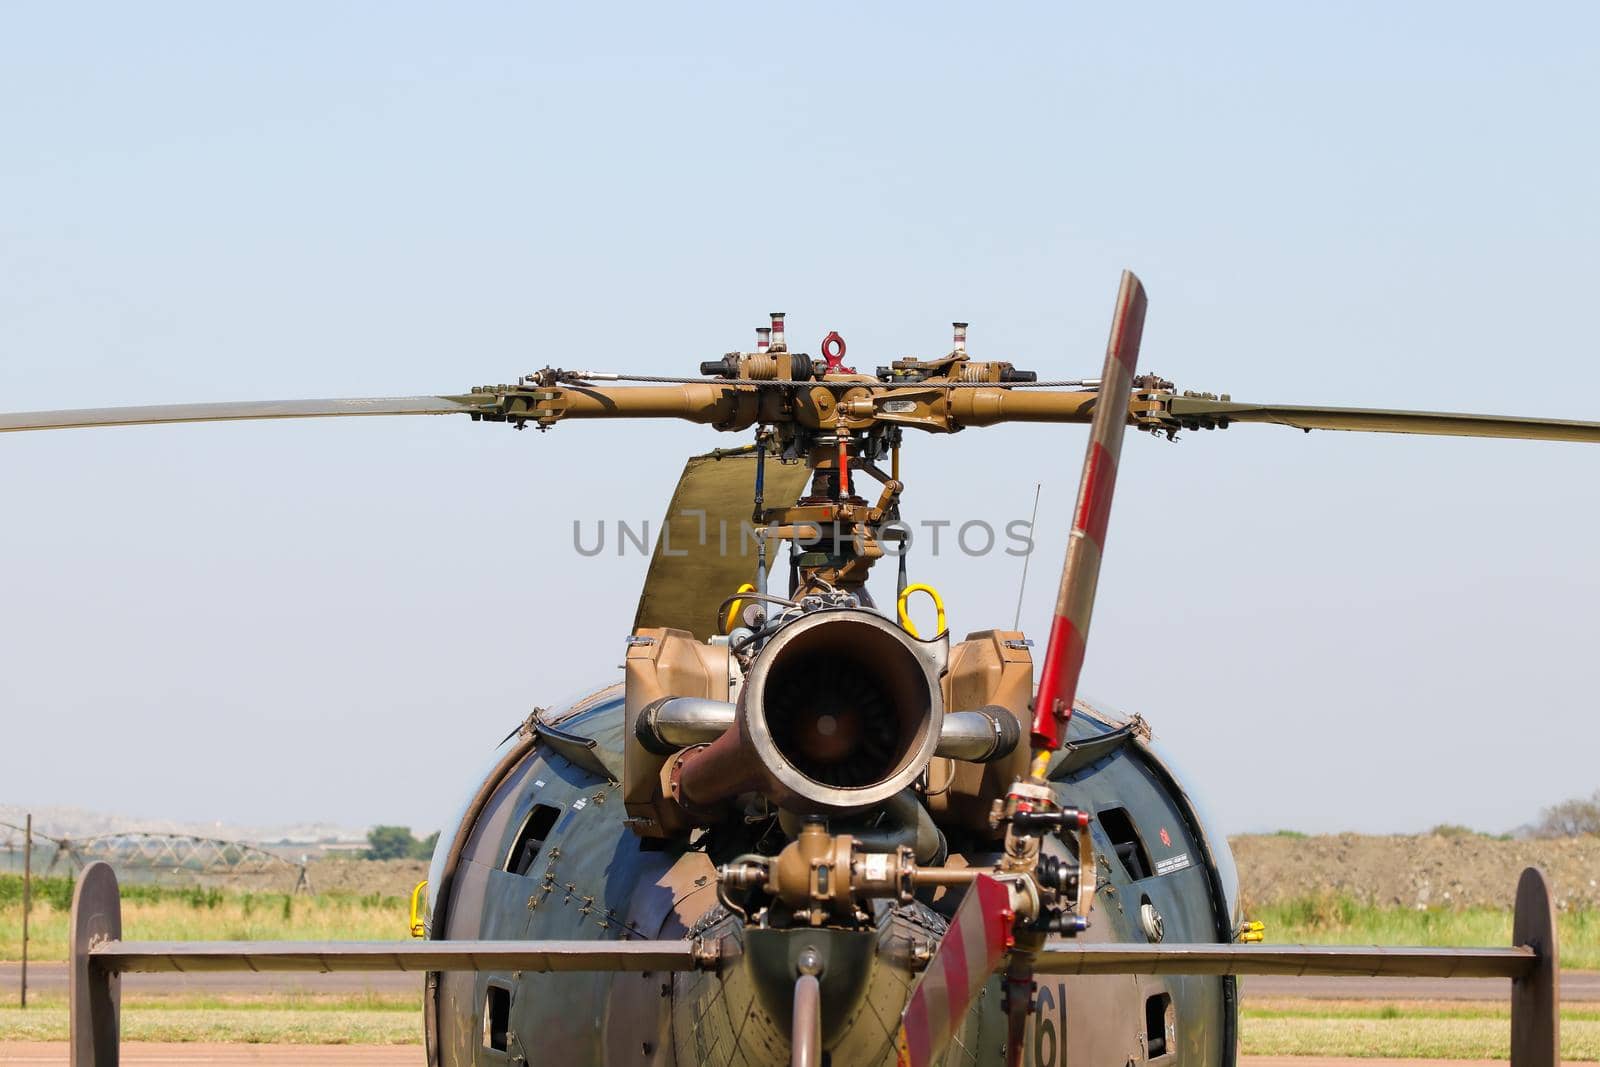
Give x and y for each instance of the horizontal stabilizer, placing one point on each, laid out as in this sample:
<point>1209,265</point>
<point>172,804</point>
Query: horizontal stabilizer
<point>188,957</point>
<point>1325,960</point>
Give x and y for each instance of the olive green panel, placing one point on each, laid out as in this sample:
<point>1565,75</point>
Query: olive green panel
<point>691,574</point>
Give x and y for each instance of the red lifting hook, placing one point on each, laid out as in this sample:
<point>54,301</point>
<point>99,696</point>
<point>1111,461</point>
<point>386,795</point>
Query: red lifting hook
<point>835,357</point>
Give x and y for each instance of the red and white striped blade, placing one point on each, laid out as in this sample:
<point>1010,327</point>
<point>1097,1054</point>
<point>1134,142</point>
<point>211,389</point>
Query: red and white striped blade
<point>1063,656</point>
<point>968,956</point>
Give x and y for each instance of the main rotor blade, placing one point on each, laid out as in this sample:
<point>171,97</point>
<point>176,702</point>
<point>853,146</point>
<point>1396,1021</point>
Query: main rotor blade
<point>246,409</point>
<point>1063,656</point>
<point>1376,420</point>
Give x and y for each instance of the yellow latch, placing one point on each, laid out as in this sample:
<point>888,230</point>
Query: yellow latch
<point>905,618</point>
<point>418,927</point>
<point>732,617</point>
<point>1251,932</point>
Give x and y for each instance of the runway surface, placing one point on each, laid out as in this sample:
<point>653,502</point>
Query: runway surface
<point>52,978</point>
<point>155,1055</point>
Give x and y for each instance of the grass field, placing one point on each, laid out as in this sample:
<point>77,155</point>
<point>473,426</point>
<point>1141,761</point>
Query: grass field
<point>1466,1030</point>
<point>1420,1029</point>
<point>152,913</point>
<point>1414,1029</point>
<point>281,1019</point>
<point>165,914</point>
<point>1339,920</point>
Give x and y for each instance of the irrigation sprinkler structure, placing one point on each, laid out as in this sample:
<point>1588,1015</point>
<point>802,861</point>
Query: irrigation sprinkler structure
<point>149,854</point>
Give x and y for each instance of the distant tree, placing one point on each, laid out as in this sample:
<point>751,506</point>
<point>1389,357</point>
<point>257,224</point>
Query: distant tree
<point>390,843</point>
<point>423,850</point>
<point>1570,818</point>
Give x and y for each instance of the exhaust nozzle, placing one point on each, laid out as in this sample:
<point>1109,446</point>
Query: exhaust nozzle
<point>840,711</point>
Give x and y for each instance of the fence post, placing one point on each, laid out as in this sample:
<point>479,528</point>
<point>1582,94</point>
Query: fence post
<point>1536,997</point>
<point>94,994</point>
<point>27,897</point>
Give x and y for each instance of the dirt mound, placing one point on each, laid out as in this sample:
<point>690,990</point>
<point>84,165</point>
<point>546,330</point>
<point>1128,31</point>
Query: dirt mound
<point>392,878</point>
<point>1428,870</point>
<point>389,878</point>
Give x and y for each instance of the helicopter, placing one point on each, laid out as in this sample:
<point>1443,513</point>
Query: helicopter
<point>798,830</point>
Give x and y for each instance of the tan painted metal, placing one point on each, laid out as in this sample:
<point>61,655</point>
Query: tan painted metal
<point>663,663</point>
<point>992,668</point>
<point>822,876</point>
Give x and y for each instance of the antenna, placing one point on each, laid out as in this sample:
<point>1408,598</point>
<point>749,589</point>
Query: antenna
<point>1016,624</point>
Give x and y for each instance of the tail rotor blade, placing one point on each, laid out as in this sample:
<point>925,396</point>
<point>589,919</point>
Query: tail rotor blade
<point>967,957</point>
<point>1063,657</point>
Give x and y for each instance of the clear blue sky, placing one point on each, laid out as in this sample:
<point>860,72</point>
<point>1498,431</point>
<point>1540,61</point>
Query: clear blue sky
<point>1385,204</point>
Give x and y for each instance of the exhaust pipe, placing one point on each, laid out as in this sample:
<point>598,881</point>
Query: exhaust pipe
<point>839,712</point>
<point>672,723</point>
<point>979,736</point>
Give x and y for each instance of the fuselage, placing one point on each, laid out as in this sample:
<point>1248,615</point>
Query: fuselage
<point>542,851</point>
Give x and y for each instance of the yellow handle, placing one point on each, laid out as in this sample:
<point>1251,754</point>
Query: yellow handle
<point>418,927</point>
<point>733,609</point>
<point>938,604</point>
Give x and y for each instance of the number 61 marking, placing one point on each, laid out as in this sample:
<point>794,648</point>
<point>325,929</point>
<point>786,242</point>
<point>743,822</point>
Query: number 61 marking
<point>1044,1027</point>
